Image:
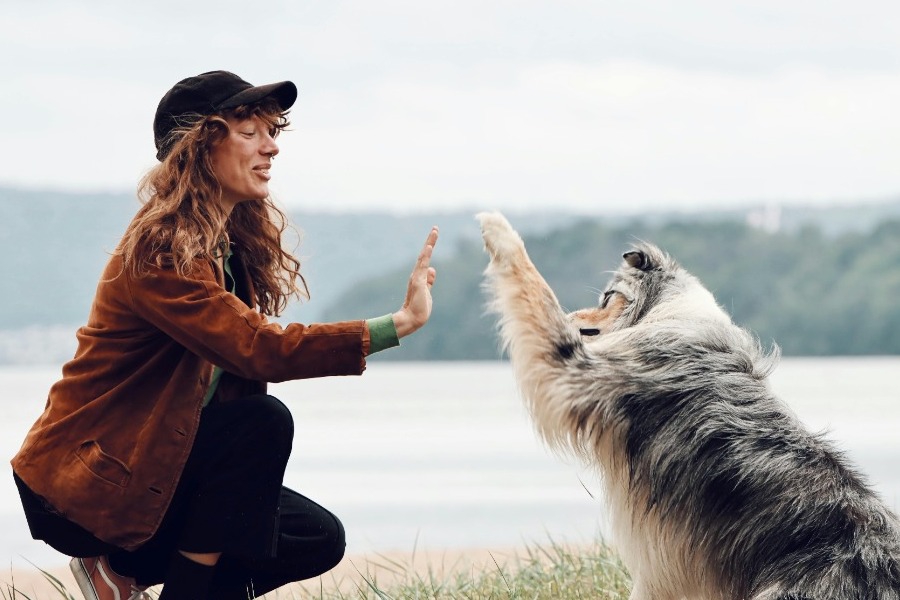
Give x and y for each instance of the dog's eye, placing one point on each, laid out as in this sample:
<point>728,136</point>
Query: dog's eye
<point>589,331</point>
<point>606,296</point>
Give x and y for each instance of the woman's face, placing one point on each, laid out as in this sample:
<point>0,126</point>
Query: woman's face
<point>242,159</point>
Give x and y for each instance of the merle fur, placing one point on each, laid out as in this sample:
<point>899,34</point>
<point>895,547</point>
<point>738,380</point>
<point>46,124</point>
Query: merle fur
<point>770,510</point>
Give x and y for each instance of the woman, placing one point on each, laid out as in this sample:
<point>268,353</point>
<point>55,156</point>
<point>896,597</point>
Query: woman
<point>159,458</point>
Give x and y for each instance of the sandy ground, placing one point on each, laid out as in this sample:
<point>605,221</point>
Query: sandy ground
<point>350,574</point>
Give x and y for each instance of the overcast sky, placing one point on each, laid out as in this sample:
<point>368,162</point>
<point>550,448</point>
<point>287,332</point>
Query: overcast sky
<point>435,104</point>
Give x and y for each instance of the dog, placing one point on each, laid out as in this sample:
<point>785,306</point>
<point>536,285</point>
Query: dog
<point>715,489</point>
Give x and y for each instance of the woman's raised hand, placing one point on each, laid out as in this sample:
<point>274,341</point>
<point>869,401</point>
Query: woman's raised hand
<point>417,307</point>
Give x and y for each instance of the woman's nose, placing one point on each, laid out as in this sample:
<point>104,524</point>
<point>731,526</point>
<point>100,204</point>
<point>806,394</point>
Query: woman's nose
<point>270,148</point>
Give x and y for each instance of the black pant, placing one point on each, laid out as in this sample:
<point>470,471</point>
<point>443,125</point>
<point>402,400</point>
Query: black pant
<point>230,499</point>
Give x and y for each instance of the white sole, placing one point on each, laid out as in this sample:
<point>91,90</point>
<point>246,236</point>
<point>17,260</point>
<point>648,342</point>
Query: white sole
<point>83,579</point>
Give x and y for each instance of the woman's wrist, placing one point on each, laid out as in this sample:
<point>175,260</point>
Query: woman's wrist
<point>403,323</point>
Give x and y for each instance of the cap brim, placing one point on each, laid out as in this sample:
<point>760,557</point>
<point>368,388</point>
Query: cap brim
<point>284,92</point>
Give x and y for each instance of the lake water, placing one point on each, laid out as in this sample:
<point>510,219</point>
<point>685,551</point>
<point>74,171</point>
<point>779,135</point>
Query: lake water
<point>442,455</point>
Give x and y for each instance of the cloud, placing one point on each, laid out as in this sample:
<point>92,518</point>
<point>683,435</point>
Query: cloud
<point>440,104</point>
<point>561,133</point>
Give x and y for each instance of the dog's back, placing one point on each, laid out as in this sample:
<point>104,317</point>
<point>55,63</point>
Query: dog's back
<point>774,510</point>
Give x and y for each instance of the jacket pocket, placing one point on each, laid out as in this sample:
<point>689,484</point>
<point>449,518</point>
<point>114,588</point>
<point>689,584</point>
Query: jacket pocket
<point>101,464</point>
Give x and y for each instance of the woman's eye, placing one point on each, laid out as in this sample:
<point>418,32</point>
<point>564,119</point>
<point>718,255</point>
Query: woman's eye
<point>606,297</point>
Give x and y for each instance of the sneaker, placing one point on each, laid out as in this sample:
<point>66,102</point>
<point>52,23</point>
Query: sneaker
<point>99,582</point>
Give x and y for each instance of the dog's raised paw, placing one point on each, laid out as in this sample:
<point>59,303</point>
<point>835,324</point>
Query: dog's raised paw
<point>501,241</point>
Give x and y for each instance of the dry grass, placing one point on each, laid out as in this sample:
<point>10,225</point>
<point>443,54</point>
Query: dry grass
<point>548,571</point>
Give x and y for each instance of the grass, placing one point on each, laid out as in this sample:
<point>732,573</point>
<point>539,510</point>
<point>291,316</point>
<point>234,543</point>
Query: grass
<point>541,572</point>
<point>59,589</point>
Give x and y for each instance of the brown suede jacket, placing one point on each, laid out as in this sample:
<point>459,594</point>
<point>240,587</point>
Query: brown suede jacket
<point>110,446</point>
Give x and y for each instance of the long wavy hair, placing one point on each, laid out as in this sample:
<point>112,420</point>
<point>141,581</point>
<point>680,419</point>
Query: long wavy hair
<point>182,218</point>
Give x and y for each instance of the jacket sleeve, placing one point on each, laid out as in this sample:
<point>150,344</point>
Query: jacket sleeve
<point>198,313</point>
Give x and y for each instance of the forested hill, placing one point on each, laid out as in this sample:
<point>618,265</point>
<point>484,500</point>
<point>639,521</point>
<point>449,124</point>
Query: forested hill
<point>827,283</point>
<point>811,293</point>
<point>54,246</point>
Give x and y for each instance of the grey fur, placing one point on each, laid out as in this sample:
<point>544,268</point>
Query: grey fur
<point>719,490</point>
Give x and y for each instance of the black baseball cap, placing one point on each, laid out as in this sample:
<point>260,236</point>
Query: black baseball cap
<point>207,94</point>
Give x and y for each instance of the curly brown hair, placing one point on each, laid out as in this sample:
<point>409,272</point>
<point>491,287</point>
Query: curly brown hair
<point>182,218</point>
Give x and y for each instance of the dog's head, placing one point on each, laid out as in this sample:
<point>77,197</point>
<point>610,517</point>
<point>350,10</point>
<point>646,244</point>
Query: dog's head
<point>649,285</point>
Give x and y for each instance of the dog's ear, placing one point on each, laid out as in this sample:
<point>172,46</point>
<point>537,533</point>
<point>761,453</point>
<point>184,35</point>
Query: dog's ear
<point>638,260</point>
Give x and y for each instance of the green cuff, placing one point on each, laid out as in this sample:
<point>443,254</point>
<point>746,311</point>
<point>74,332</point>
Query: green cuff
<point>382,334</point>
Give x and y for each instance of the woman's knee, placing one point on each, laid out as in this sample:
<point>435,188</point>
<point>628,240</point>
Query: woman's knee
<point>336,547</point>
<point>269,418</point>
<point>310,534</point>
<point>315,559</point>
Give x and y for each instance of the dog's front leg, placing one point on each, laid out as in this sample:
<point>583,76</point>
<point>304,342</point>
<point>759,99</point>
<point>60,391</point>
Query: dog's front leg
<point>533,326</point>
<point>535,330</point>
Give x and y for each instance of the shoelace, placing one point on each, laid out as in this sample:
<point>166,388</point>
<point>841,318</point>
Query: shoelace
<point>139,594</point>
